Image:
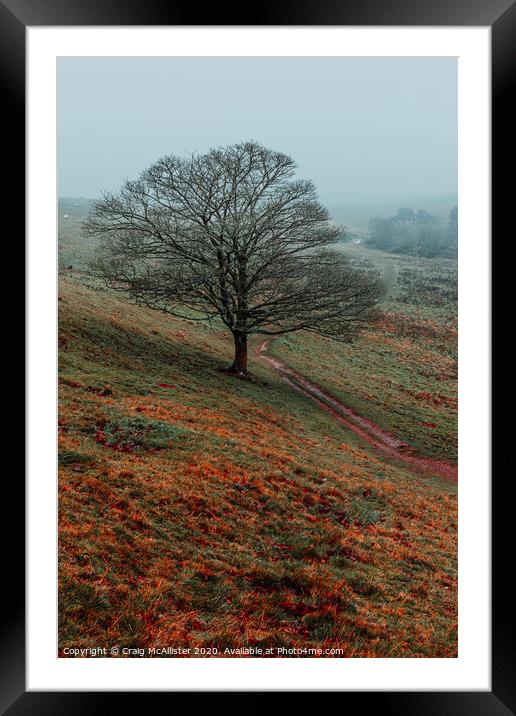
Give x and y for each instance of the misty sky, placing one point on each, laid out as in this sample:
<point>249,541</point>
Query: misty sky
<point>360,128</point>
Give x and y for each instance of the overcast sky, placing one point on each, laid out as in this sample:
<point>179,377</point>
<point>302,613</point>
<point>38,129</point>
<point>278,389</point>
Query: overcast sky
<point>360,128</point>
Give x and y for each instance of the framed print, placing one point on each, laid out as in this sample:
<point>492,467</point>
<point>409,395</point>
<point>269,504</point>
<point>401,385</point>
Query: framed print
<point>258,289</point>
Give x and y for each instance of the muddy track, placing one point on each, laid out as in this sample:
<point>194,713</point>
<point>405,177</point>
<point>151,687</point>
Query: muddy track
<point>381,440</point>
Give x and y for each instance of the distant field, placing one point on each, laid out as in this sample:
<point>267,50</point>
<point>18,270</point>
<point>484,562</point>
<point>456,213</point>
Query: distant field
<point>74,250</point>
<point>200,510</point>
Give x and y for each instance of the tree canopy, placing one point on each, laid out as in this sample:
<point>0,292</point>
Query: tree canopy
<point>417,233</point>
<point>231,234</point>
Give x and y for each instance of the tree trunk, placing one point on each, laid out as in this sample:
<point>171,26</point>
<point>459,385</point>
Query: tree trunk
<point>239,366</point>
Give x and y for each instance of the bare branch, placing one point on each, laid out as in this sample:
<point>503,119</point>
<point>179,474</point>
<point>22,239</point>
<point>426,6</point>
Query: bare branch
<point>232,234</point>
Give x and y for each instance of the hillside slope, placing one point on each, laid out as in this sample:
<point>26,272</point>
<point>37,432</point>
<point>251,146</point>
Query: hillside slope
<point>200,510</point>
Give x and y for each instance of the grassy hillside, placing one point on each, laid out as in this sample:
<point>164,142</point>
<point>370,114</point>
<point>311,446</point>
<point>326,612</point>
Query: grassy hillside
<point>402,371</point>
<point>199,510</point>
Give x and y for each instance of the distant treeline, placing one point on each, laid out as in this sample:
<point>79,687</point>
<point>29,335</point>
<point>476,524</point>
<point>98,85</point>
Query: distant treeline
<point>417,233</point>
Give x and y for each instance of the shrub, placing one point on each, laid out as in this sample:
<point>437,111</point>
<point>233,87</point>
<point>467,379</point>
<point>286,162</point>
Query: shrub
<point>134,434</point>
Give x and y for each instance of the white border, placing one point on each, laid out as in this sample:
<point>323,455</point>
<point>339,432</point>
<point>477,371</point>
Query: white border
<point>471,670</point>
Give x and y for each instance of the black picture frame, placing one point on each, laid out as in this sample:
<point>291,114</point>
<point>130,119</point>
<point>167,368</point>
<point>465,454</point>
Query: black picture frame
<point>500,16</point>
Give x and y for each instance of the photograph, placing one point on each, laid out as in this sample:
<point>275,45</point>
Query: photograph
<point>258,357</point>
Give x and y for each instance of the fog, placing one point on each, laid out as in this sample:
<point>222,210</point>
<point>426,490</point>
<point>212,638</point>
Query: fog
<point>363,129</point>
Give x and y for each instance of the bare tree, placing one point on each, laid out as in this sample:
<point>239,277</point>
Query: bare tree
<point>231,234</point>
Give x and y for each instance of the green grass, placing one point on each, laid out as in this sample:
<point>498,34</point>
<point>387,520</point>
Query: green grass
<point>135,434</point>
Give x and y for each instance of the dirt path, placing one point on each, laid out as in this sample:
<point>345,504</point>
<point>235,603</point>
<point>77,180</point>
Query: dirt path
<point>364,428</point>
